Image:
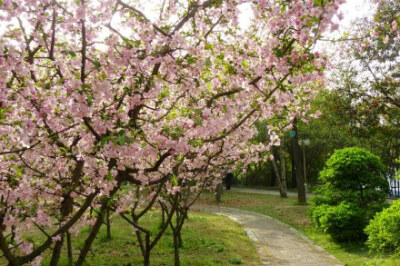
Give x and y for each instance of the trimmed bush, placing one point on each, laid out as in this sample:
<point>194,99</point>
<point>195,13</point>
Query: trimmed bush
<point>343,222</point>
<point>354,175</point>
<point>353,188</point>
<point>384,230</point>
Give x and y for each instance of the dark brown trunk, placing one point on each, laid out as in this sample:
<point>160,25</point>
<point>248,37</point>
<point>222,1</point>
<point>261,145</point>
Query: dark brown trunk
<point>176,250</point>
<point>177,235</point>
<point>146,257</point>
<point>294,181</point>
<point>95,229</point>
<point>283,187</point>
<point>89,240</point>
<point>301,192</point>
<point>57,251</point>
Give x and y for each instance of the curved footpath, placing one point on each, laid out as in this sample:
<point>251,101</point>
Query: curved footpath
<point>276,243</point>
<point>266,192</point>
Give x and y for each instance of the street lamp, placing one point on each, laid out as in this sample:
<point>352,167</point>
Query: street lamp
<point>304,143</point>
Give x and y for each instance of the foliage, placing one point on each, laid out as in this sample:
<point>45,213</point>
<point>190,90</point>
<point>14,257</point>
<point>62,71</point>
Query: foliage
<point>343,222</point>
<point>351,182</point>
<point>354,175</point>
<point>384,230</point>
<point>367,76</point>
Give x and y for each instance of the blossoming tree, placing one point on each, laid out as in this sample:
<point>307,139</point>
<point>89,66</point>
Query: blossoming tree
<point>94,94</point>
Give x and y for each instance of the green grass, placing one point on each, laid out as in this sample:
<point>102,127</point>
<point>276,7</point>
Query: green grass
<point>289,212</point>
<point>208,239</point>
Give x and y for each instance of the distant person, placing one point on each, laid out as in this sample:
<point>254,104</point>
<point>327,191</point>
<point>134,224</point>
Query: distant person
<point>228,180</point>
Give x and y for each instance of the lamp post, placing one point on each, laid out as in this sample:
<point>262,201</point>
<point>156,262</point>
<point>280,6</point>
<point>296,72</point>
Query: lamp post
<point>304,143</point>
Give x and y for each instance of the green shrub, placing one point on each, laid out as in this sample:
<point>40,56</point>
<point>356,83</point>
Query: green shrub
<point>343,222</point>
<point>352,189</point>
<point>384,230</point>
<point>354,175</point>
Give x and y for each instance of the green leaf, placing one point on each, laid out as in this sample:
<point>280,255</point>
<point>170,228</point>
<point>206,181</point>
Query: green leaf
<point>63,150</point>
<point>174,180</point>
<point>85,86</point>
<point>191,59</point>
<point>121,141</point>
<point>105,140</point>
<point>198,120</point>
<point>318,2</point>
<point>96,64</point>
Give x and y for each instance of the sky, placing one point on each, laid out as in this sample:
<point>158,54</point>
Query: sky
<point>354,9</point>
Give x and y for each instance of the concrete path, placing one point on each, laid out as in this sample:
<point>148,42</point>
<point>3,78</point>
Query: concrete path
<point>290,194</point>
<point>276,243</point>
<point>266,191</point>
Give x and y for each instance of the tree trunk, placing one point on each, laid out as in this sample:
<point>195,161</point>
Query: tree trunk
<point>57,251</point>
<point>162,217</point>
<point>108,224</point>
<point>95,228</point>
<point>69,249</point>
<point>301,192</point>
<point>146,257</point>
<point>276,171</point>
<point>283,188</point>
<point>293,181</point>
<point>176,250</point>
<point>89,240</point>
<point>147,250</point>
<point>177,235</point>
<point>218,193</point>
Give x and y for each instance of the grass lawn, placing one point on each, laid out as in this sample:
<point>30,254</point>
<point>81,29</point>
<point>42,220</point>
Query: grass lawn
<point>208,239</point>
<point>289,212</point>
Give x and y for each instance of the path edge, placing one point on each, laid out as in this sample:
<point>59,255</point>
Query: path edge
<point>294,230</point>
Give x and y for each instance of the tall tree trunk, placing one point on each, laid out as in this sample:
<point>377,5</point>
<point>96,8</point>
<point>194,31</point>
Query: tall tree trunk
<point>293,180</point>
<point>301,192</point>
<point>276,171</point>
<point>283,188</point>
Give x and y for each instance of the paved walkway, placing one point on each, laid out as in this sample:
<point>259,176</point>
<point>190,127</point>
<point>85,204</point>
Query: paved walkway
<point>266,191</point>
<point>277,243</point>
